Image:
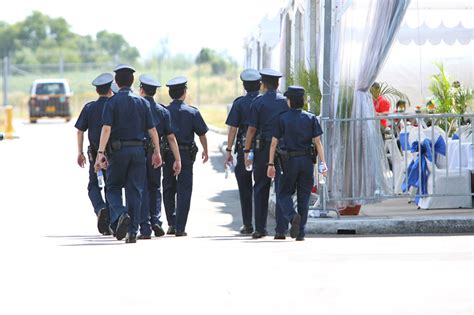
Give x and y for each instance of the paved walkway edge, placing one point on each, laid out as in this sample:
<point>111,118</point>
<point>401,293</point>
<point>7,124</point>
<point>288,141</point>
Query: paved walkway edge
<point>396,225</point>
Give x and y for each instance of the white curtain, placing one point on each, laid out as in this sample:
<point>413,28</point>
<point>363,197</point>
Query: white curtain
<point>362,38</point>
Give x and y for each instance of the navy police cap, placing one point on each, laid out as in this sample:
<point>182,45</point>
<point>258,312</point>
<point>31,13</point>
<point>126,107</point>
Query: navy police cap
<point>270,73</point>
<point>250,75</point>
<point>177,82</point>
<point>294,90</point>
<point>124,67</point>
<point>103,79</point>
<point>148,80</point>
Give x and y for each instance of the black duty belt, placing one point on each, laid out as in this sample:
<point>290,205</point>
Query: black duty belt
<point>298,153</point>
<point>131,143</point>
<point>185,147</point>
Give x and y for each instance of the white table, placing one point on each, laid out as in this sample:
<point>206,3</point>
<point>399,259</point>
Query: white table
<point>460,155</point>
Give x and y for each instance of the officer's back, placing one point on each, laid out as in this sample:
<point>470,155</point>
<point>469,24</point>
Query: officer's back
<point>267,109</point>
<point>186,122</point>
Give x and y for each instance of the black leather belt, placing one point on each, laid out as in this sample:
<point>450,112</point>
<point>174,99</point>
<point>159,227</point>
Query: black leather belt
<point>131,143</point>
<point>298,153</point>
<point>185,147</point>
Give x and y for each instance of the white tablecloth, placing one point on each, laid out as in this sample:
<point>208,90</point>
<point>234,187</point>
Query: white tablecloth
<point>465,159</point>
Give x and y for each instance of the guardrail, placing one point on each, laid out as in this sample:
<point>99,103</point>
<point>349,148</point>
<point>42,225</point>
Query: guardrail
<point>430,159</point>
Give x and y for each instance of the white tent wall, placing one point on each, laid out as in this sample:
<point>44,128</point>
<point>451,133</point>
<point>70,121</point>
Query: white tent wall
<point>432,31</point>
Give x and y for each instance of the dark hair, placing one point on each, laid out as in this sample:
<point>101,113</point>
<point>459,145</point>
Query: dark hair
<point>401,102</point>
<point>251,86</point>
<point>148,89</point>
<point>270,82</point>
<point>103,89</point>
<point>124,78</point>
<point>177,93</point>
<point>296,101</point>
<point>376,85</point>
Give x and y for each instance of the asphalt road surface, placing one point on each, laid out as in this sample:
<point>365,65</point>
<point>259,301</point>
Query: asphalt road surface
<point>54,262</point>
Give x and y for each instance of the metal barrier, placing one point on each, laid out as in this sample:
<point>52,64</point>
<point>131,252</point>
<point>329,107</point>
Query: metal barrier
<point>430,158</point>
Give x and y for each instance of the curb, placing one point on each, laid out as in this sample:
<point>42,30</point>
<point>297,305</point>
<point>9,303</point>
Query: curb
<point>396,225</point>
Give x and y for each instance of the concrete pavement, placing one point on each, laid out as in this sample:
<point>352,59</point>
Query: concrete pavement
<point>54,261</point>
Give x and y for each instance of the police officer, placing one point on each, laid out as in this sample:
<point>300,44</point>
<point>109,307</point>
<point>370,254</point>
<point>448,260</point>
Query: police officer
<point>264,112</point>
<point>186,121</point>
<point>237,121</point>
<point>300,130</point>
<point>91,119</point>
<point>126,120</point>
<point>151,202</point>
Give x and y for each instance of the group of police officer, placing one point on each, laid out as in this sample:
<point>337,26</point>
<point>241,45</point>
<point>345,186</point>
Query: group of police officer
<point>266,126</point>
<point>130,137</point>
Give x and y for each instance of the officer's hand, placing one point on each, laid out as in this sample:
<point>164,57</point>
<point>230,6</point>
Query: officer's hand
<point>81,159</point>
<point>156,159</point>
<point>101,162</point>
<point>205,157</point>
<point>177,167</point>
<point>271,171</point>
<point>228,158</point>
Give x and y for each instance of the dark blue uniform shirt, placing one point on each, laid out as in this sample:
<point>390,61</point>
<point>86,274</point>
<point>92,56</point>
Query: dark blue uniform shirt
<point>161,116</point>
<point>265,111</point>
<point>91,119</point>
<point>240,112</point>
<point>129,115</point>
<point>297,128</point>
<point>186,121</point>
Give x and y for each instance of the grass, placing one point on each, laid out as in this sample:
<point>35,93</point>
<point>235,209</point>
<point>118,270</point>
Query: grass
<point>214,115</point>
<point>215,90</point>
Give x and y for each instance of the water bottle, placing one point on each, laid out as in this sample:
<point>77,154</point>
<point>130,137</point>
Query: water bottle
<point>321,169</point>
<point>229,167</point>
<point>250,167</point>
<point>100,179</point>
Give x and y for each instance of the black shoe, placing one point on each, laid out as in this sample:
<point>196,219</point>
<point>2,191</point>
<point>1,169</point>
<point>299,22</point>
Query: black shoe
<point>144,237</point>
<point>131,238</point>
<point>258,234</point>
<point>280,236</point>
<point>122,226</point>
<point>179,233</point>
<point>300,238</point>
<point>158,230</point>
<point>295,226</point>
<point>246,230</point>
<point>102,218</point>
<point>171,230</point>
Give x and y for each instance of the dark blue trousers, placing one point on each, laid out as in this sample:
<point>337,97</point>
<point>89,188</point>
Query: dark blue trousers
<point>297,177</point>
<point>151,199</point>
<point>177,190</point>
<point>244,181</point>
<point>95,192</point>
<point>261,188</point>
<point>127,169</point>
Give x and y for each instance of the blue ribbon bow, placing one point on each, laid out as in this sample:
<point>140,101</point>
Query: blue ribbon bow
<point>413,171</point>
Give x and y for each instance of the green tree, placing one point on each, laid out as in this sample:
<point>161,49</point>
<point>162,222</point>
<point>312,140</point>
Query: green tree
<point>7,39</point>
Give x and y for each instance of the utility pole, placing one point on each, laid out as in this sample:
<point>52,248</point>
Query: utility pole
<point>327,75</point>
<point>5,80</point>
<point>199,84</point>
<point>61,64</point>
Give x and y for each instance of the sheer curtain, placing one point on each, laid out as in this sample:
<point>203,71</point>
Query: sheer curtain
<point>362,36</point>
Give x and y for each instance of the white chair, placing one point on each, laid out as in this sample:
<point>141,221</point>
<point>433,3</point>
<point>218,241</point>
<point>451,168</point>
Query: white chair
<point>398,164</point>
<point>456,182</point>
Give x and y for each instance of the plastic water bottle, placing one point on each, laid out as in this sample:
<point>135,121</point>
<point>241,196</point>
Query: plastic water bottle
<point>229,167</point>
<point>250,167</point>
<point>321,169</point>
<point>100,179</point>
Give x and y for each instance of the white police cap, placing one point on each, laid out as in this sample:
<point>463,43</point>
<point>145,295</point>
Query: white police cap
<point>250,75</point>
<point>103,79</point>
<point>124,67</point>
<point>114,87</point>
<point>177,82</point>
<point>148,80</point>
<point>270,73</point>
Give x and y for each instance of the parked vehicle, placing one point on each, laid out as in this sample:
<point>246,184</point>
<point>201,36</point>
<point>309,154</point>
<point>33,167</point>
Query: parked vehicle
<point>50,98</point>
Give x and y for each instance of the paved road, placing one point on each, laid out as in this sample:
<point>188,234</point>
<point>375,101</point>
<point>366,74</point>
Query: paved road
<point>53,261</point>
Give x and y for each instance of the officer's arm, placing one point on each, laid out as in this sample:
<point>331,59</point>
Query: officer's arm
<point>80,141</point>
<point>174,146</point>
<point>231,137</point>
<point>155,138</point>
<point>271,157</point>
<point>104,137</point>
<point>251,131</point>
<point>319,148</point>
<point>205,155</point>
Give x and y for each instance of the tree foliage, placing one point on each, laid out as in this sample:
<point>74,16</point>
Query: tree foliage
<point>43,39</point>
<point>219,62</point>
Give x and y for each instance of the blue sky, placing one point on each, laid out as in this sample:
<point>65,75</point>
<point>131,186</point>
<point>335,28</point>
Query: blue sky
<point>188,24</point>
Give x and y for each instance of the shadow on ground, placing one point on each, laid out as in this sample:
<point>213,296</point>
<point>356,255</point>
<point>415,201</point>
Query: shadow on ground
<point>86,240</point>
